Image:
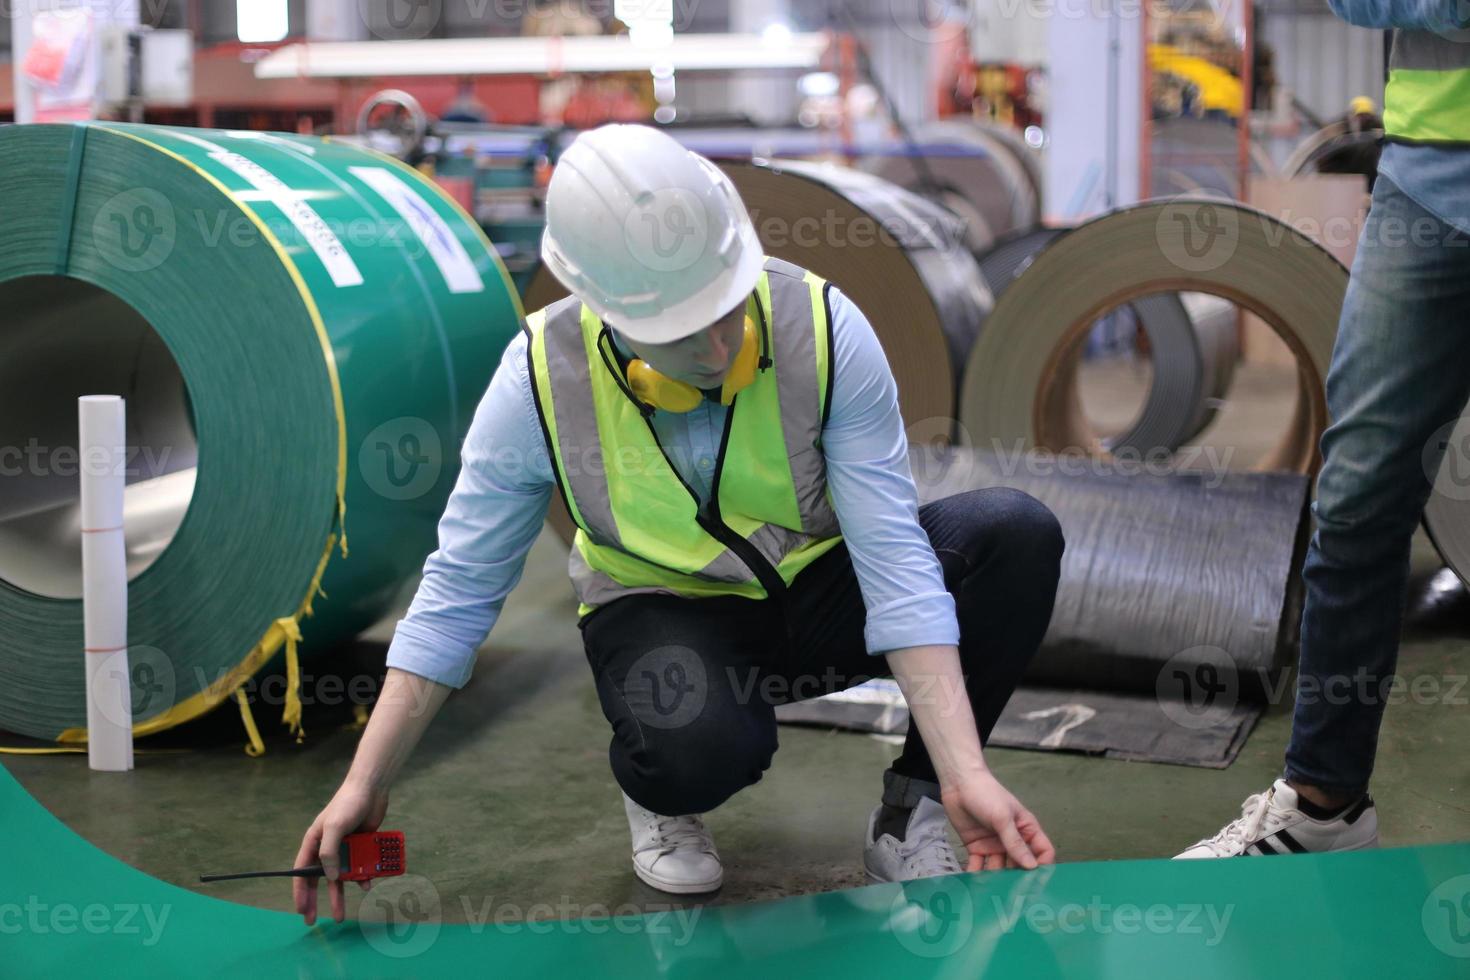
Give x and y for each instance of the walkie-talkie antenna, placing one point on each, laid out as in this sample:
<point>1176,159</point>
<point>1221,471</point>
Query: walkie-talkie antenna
<point>315,871</point>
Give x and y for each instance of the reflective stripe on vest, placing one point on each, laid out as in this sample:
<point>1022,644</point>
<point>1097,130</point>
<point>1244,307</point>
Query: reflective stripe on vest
<point>1428,95</point>
<point>639,528</point>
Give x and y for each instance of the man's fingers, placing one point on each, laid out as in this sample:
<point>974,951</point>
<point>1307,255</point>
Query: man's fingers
<point>303,890</point>
<point>1015,846</point>
<point>339,901</point>
<point>1040,844</point>
<point>328,853</point>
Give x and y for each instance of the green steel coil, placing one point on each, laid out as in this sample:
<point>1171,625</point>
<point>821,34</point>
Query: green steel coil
<point>302,330</point>
<point>1078,919</point>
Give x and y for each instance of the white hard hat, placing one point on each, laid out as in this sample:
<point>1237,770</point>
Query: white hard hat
<point>650,235</point>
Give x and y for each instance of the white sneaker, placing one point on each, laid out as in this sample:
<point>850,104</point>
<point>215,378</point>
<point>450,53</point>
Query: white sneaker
<point>673,854</point>
<point>924,852</point>
<point>1270,823</point>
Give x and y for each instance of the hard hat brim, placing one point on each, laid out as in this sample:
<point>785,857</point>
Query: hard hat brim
<point>695,313</point>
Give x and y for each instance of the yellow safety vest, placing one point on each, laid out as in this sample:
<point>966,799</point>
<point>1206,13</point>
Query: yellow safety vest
<point>1428,95</point>
<point>640,527</point>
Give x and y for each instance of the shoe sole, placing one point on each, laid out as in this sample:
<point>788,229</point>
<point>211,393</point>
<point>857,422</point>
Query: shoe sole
<point>1365,846</point>
<point>677,888</point>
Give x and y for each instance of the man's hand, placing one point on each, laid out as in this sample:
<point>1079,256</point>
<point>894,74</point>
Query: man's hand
<point>405,707</point>
<point>352,810</point>
<point>996,829</point>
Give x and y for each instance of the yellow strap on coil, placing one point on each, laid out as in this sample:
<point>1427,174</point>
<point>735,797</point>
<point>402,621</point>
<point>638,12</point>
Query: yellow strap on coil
<point>256,748</point>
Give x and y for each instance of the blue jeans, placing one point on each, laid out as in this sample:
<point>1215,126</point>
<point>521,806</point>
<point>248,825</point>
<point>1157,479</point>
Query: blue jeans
<point>1400,371</point>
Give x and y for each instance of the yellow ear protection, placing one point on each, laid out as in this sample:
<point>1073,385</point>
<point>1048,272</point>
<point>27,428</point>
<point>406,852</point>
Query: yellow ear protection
<point>651,390</point>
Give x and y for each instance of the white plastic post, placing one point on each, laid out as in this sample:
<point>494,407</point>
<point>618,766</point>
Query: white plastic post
<point>105,583</point>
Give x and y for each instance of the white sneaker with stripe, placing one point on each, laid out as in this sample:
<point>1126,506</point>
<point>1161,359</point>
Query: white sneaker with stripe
<point>1271,823</point>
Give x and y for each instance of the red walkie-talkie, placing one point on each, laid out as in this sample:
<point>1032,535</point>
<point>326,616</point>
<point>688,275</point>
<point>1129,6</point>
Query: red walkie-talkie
<point>375,854</point>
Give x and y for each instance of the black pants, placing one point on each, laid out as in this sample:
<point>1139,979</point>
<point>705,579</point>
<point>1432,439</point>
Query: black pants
<point>690,685</point>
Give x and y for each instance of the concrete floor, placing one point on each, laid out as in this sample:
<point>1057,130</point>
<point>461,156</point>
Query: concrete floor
<point>510,809</point>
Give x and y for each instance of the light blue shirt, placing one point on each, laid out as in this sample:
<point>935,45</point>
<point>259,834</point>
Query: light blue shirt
<point>505,486</point>
<point>1437,178</point>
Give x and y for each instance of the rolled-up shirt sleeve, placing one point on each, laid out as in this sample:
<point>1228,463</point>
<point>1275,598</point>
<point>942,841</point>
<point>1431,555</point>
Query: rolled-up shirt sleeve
<point>493,516</point>
<point>873,494</point>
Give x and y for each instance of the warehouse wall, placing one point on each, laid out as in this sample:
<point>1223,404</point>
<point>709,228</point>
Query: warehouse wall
<point>700,94</point>
<point>1323,60</point>
<point>899,41</point>
<point>901,38</point>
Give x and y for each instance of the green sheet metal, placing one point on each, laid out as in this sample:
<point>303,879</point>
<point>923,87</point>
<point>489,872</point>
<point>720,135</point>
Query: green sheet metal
<point>335,317</point>
<point>67,909</point>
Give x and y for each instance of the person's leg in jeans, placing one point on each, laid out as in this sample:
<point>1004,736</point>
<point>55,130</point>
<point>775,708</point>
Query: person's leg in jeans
<point>1000,551</point>
<point>1399,373</point>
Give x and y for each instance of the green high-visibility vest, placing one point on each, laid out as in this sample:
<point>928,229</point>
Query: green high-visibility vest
<point>1428,95</point>
<point>640,528</point>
